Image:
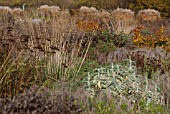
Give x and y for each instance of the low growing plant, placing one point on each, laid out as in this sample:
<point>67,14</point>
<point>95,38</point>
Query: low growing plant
<point>123,82</point>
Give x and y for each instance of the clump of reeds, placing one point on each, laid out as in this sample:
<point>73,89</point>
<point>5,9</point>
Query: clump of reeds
<point>123,14</point>
<point>148,15</point>
<point>123,20</point>
<point>18,12</point>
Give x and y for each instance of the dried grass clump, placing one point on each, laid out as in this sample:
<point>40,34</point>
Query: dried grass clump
<point>5,9</point>
<point>18,12</point>
<point>148,15</point>
<point>123,14</point>
<point>93,9</point>
<point>105,14</point>
<point>87,10</point>
<point>44,9</point>
<point>84,10</point>
<point>55,8</point>
<point>123,20</point>
<point>105,19</point>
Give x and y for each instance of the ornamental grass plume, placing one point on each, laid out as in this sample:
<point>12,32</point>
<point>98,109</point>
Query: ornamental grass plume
<point>93,10</point>
<point>84,10</point>
<point>5,9</point>
<point>54,9</point>
<point>148,15</point>
<point>18,12</point>
<point>105,14</point>
<point>87,10</point>
<point>49,10</point>
<point>123,14</point>
<point>123,20</point>
<point>89,14</point>
<point>105,19</point>
<point>44,9</point>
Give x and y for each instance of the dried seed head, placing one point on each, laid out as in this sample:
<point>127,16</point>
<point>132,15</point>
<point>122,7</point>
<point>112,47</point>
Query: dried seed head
<point>84,10</point>
<point>121,13</point>
<point>18,12</point>
<point>93,10</point>
<point>5,9</point>
<point>148,15</point>
<point>44,9</point>
<point>54,8</point>
<point>105,14</point>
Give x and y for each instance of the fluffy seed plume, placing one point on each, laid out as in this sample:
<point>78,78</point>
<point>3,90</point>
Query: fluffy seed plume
<point>18,12</point>
<point>93,10</point>
<point>54,8</point>
<point>84,10</point>
<point>148,15</point>
<point>105,14</point>
<point>123,14</point>
<point>44,9</point>
<point>5,9</point>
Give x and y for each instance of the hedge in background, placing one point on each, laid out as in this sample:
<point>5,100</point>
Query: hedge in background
<point>160,5</point>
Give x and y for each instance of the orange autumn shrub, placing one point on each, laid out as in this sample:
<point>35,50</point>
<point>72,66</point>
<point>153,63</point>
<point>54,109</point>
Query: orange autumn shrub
<point>88,26</point>
<point>141,38</point>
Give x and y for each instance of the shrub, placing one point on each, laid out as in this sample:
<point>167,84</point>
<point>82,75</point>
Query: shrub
<point>40,100</point>
<point>159,5</point>
<point>123,82</point>
<point>88,26</point>
<point>118,40</point>
<point>142,38</point>
<point>121,39</point>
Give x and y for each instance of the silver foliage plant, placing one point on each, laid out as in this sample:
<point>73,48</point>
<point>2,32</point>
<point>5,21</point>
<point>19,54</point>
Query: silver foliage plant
<point>123,82</point>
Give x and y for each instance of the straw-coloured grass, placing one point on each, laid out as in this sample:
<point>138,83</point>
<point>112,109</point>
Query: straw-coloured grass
<point>123,20</point>
<point>5,9</point>
<point>148,15</point>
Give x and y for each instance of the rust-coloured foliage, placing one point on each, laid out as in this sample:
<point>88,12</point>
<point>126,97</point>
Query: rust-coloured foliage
<point>150,40</point>
<point>88,26</point>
